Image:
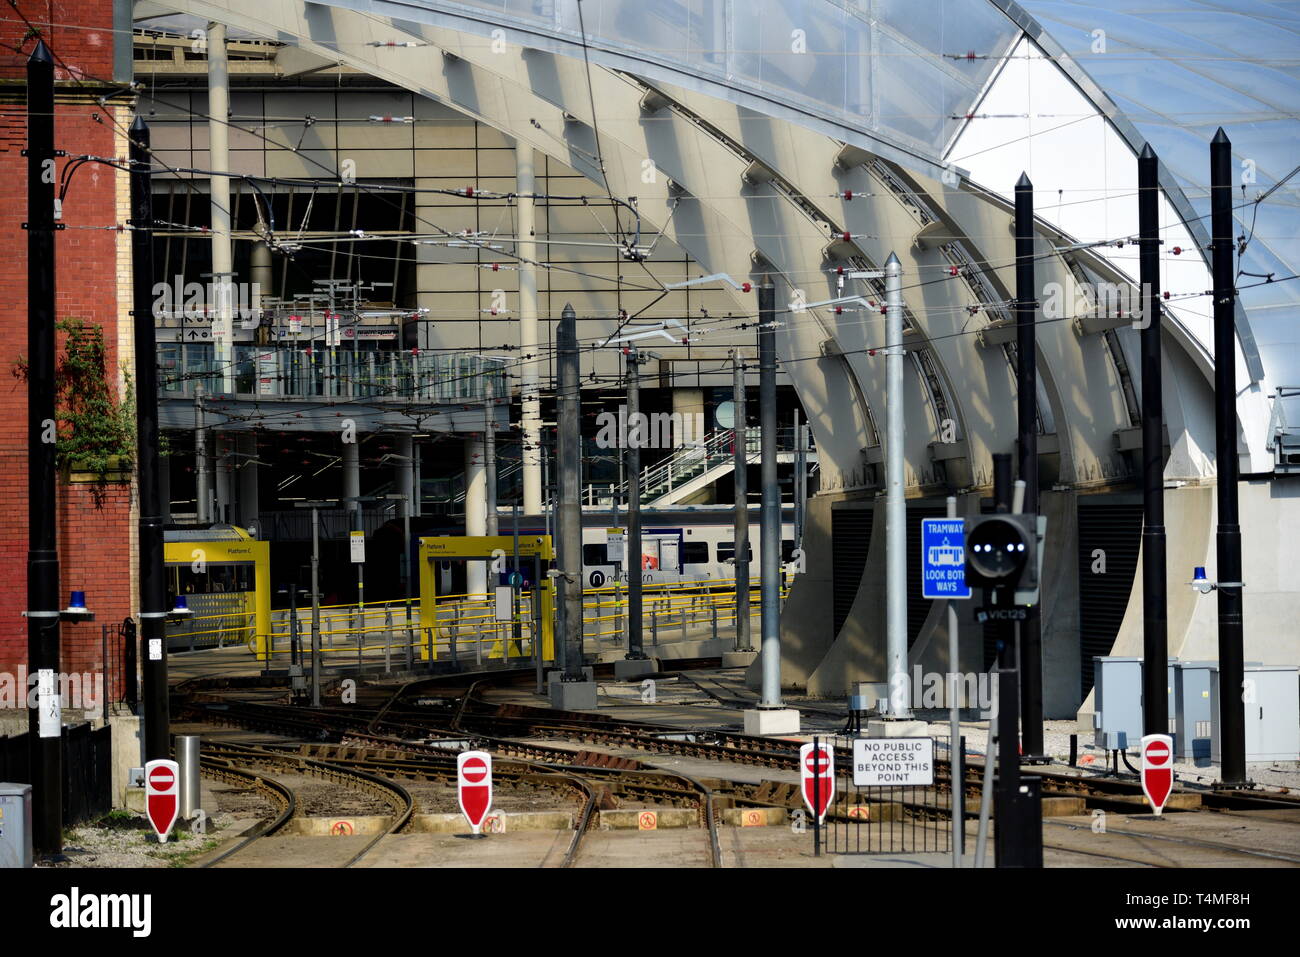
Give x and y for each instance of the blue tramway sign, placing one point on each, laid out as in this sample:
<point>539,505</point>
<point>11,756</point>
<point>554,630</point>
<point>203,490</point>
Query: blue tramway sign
<point>943,558</point>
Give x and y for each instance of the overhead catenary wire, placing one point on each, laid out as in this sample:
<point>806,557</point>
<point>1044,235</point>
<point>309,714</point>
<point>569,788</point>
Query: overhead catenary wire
<point>611,198</point>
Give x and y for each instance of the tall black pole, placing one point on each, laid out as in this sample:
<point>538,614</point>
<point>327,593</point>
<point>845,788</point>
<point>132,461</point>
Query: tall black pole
<point>1031,643</point>
<point>1017,809</point>
<point>45,720</point>
<point>1155,637</point>
<point>569,465</point>
<point>153,589</point>
<point>1008,699</point>
<point>633,437</point>
<point>1232,717</point>
<point>741,521</point>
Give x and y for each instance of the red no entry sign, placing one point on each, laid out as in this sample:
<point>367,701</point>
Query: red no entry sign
<point>817,777</point>
<point>1157,769</point>
<point>474,786</point>
<point>161,779</point>
<point>162,796</point>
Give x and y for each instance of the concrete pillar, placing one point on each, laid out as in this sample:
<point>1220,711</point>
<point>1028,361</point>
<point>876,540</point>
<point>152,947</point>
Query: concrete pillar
<point>202,462</point>
<point>219,160</point>
<point>351,474</point>
<point>530,358</point>
<point>222,463</point>
<point>260,272</point>
<point>688,409</point>
<point>417,481</point>
<point>404,473</point>
<point>246,444</point>
<point>475,509</point>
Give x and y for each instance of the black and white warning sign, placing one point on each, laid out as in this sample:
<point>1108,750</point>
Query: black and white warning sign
<point>888,762</point>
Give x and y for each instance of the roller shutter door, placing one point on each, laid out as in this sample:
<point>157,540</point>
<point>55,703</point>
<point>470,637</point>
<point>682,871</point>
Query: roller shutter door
<point>1114,526</point>
<point>850,541</point>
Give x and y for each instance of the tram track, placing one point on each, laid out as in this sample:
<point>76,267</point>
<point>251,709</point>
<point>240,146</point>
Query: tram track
<point>224,770</point>
<point>444,714</point>
<point>396,796</point>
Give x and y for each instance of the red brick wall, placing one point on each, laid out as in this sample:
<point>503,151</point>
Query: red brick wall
<point>94,540</point>
<point>94,557</point>
<point>78,33</point>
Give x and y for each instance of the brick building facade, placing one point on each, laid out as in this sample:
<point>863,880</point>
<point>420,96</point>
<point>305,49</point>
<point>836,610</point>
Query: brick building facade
<point>97,536</point>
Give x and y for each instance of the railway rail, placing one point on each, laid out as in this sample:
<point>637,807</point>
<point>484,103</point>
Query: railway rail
<point>438,715</point>
<point>224,770</point>
<point>397,797</point>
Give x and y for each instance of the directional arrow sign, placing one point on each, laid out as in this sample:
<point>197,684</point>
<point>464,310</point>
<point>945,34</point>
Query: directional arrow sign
<point>1157,769</point>
<point>474,786</point>
<point>162,796</point>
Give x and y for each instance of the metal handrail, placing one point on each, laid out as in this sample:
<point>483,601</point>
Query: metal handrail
<point>289,371</point>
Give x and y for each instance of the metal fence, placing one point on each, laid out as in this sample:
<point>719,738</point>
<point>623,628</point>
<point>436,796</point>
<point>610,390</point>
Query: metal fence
<point>87,770</point>
<point>888,819</point>
<point>298,371</point>
<point>120,654</point>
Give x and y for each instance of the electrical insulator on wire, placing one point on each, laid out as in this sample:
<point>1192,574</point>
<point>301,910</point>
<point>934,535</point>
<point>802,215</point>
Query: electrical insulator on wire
<point>953,270</point>
<point>847,194</point>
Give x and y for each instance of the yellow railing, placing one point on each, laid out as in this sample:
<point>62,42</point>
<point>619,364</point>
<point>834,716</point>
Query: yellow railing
<point>224,626</point>
<point>468,623</point>
<point>679,607</point>
<point>463,622</point>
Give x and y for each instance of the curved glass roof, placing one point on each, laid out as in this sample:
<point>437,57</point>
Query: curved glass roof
<point>1175,71</point>
<point>897,75</point>
<point>891,73</point>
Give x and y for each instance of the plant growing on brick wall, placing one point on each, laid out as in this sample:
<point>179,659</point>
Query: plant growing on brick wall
<point>96,431</point>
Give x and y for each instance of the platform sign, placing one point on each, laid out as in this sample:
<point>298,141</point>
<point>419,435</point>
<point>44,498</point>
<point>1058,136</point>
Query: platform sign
<point>1157,769</point>
<point>505,604</point>
<point>358,545</point>
<point>162,796</point>
<point>893,762</point>
<point>943,558</point>
<point>817,777</point>
<point>614,545</point>
<point>474,786</point>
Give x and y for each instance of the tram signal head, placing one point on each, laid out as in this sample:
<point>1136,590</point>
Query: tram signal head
<point>1002,551</point>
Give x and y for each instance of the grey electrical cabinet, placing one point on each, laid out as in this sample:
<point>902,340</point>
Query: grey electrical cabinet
<point>1271,702</point>
<point>15,825</point>
<point>1193,715</point>
<point>1117,711</point>
<point>1117,705</point>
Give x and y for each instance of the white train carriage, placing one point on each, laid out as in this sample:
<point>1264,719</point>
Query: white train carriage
<point>677,547</point>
